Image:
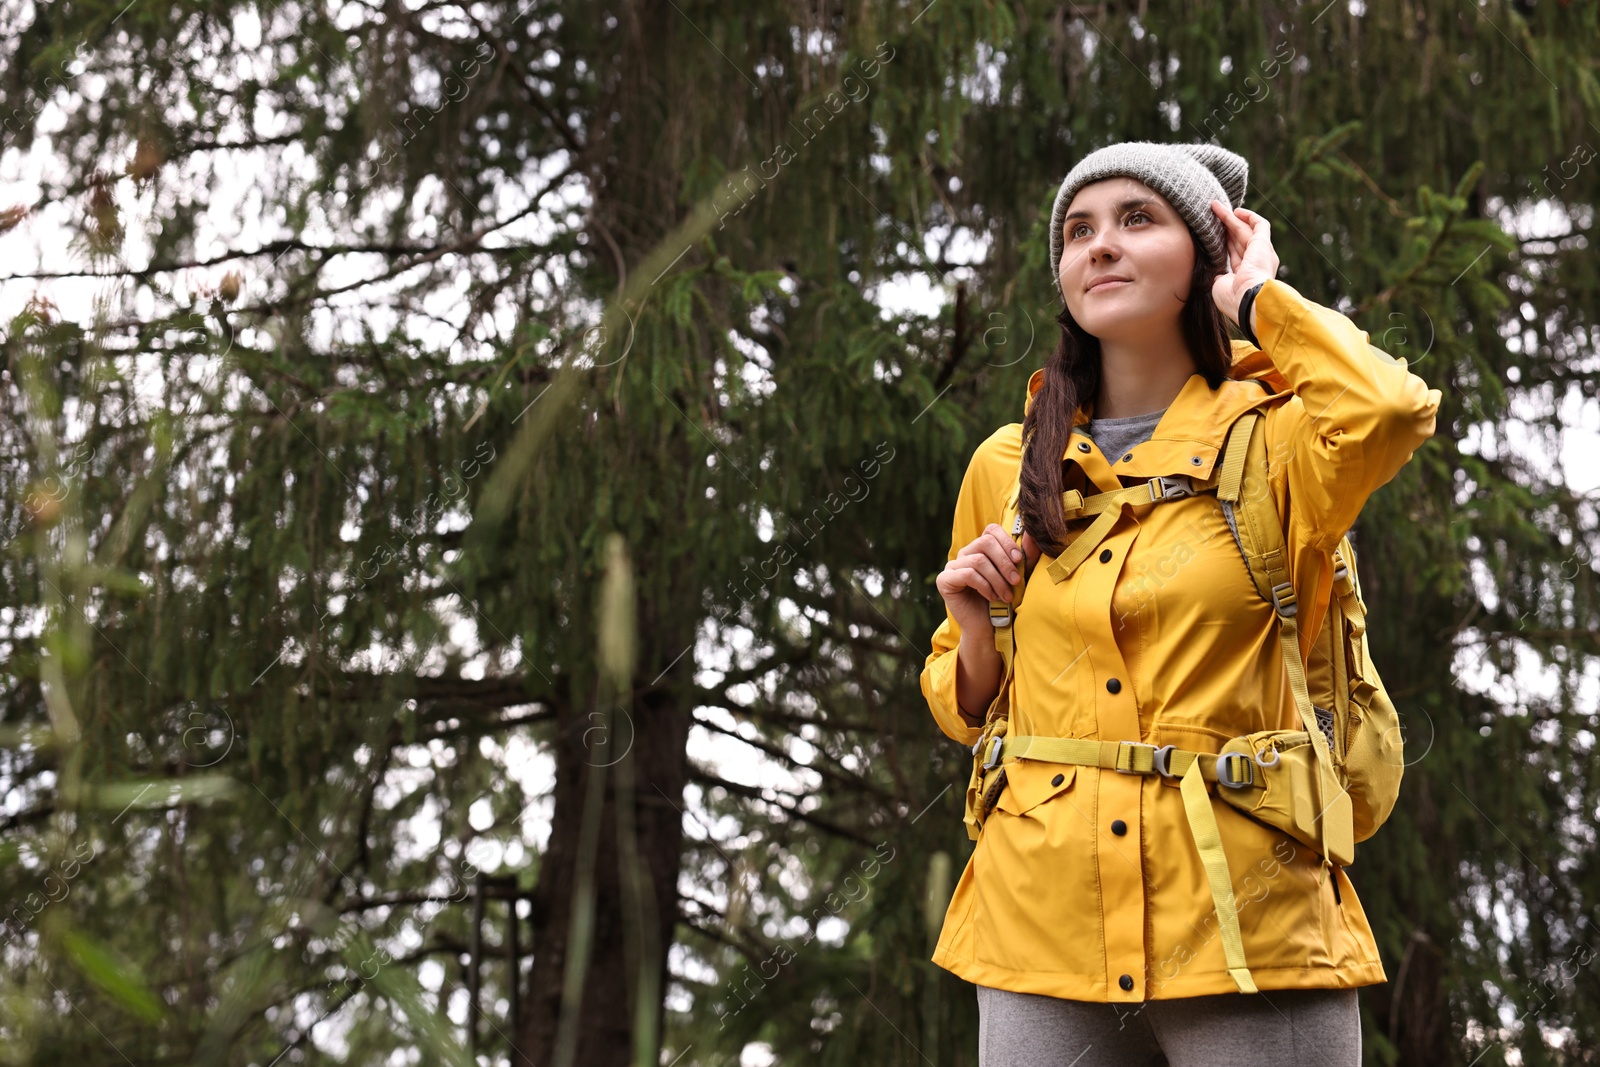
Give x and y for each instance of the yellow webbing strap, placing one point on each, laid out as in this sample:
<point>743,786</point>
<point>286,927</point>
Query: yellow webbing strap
<point>1003,615</point>
<point>1085,543</point>
<point>1208,839</point>
<point>1131,757</point>
<point>1231,476</point>
<point>1338,657</point>
<point>1348,590</point>
<point>1083,751</point>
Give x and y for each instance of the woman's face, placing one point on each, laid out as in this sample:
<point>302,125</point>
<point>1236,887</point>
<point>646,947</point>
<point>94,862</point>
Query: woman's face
<point>1122,228</point>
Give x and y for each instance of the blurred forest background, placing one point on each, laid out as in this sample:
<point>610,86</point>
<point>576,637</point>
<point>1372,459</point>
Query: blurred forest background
<point>474,475</point>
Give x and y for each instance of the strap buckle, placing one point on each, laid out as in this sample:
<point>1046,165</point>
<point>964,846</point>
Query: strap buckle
<point>1162,761</point>
<point>1283,599</point>
<point>994,752</point>
<point>1170,487</point>
<point>1228,761</point>
<point>1125,756</point>
<point>1340,569</point>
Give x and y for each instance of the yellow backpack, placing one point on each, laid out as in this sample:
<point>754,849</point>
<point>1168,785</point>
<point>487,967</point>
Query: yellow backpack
<point>1329,784</point>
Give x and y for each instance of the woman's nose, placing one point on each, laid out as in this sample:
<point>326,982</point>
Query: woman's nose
<point>1102,247</point>
<point>1090,255</point>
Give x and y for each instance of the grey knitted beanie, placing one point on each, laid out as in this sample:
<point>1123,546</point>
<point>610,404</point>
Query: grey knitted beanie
<point>1190,176</point>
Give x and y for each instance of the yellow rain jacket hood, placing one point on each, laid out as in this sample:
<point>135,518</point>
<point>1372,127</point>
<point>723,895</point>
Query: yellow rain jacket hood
<point>1085,883</point>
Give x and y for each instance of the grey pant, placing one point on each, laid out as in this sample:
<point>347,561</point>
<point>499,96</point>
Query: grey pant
<point>1288,1027</point>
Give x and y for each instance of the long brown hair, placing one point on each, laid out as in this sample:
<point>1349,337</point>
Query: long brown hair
<point>1073,372</point>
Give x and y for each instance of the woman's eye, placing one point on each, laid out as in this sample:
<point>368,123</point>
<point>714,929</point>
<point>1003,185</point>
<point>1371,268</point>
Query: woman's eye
<point>1131,215</point>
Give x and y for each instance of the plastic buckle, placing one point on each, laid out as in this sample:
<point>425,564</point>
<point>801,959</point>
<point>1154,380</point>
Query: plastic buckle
<point>1170,487</point>
<point>1283,599</point>
<point>1162,761</point>
<point>1238,759</point>
<point>994,753</point>
<point>1128,747</point>
<point>1001,616</point>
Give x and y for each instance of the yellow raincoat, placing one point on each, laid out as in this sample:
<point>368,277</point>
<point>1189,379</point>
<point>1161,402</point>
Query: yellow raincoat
<point>1086,883</point>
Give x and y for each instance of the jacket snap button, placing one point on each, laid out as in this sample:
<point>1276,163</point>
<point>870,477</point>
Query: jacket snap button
<point>1128,458</point>
<point>1114,686</point>
<point>1105,556</point>
<point>1119,828</point>
<point>1083,446</point>
<point>1058,779</point>
<point>1126,981</point>
<point>1195,460</point>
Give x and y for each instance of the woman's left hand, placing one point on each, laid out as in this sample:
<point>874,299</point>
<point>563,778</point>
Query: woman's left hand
<point>1251,257</point>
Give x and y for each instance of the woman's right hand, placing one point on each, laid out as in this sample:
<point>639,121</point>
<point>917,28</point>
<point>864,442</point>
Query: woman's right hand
<point>986,569</point>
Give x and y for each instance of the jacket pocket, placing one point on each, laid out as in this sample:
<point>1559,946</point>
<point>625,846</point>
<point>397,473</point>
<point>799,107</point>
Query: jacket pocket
<point>1036,894</point>
<point>1030,783</point>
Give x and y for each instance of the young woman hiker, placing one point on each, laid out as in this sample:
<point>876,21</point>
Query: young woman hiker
<point>1086,915</point>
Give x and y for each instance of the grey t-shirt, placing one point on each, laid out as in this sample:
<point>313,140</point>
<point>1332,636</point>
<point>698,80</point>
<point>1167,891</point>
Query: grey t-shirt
<point>1116,436</point>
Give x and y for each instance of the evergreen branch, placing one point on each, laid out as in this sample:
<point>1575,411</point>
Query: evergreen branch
<point>271,248</point>
<point>828,773</point>
<point>752,955</point>
<point>706,777</point>
<point>772,714</point>
<point>492,891</point>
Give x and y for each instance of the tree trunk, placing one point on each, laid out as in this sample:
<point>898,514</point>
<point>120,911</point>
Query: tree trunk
<point>654,737</point>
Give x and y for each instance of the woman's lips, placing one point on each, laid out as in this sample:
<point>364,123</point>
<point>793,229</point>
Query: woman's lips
<point>1108,285</point>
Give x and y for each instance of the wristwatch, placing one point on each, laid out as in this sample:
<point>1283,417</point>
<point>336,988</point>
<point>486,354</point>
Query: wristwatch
<point>1244,312</point>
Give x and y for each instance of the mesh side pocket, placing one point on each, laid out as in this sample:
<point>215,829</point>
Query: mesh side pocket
<point>1325,722</point>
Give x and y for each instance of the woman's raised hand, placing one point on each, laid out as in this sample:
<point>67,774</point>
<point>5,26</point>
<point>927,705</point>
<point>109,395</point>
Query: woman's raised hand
<point>989,568</point>
<point>1251,257</point>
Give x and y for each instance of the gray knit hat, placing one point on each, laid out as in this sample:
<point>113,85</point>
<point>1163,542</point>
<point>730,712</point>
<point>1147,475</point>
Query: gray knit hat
<point>1190,176</point>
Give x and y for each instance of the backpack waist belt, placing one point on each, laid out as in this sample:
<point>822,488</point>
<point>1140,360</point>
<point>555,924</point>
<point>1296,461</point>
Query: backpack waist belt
<point>1234,769</point>
<point>1231,769</point>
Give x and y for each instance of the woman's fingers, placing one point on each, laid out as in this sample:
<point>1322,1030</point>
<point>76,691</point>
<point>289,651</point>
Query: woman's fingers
<point>996,582</point>
<point>992,565</point>
<point>988,564</point>
<point>1235,233</point>
<point>1005,552</point>
<point>995,535</point>
<point>987,585</point>
<point>1241,226</point>
<point>1231,222</point>
<point>972,571</point>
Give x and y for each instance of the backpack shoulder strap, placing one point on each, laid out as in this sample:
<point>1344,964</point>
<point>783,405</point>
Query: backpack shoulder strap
<point>1003,615</point>
<point>1245,493</point>
<point>1347,594</point>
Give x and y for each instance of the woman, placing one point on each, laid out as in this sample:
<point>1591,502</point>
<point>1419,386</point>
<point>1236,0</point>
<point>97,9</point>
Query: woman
<point>1084,914</point>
